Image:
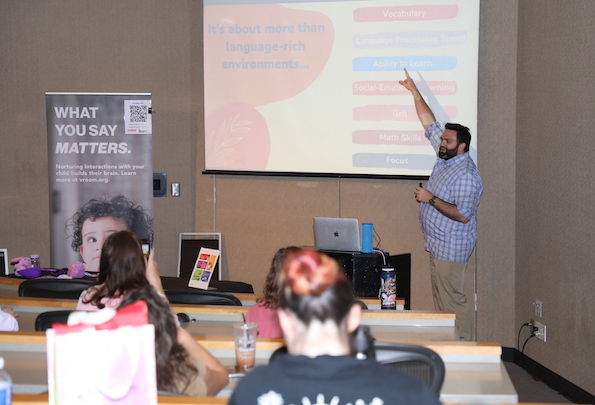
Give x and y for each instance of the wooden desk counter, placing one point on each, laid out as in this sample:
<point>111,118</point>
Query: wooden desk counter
<point>372,303</point>
<point>11,281</point>
<point>474,371</point>
<point>387,326</point>
<point>42,399</point>
<point>434,317</point>
<point>14,340</point>
<point>32,304</point>
<point>216,320</point>
<point>9,286</point>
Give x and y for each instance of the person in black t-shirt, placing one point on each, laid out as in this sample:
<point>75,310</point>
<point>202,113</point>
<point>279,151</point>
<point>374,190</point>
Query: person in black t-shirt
<point>317,316</point>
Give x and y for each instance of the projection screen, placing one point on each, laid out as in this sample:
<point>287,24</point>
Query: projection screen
<point>311,88</point>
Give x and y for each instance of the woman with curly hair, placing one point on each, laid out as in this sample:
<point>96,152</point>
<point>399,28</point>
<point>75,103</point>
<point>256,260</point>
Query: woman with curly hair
<point>264,313</point>
<point>122,268</point>
<point>318,316</point>
<point>99,218</point>
<point>183,366</point>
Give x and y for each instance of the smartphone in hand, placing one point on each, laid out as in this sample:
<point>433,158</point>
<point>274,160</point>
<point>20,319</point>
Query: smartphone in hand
<point>146,248</point>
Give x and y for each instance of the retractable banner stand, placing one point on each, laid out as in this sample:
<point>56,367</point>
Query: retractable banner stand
<point>100,172</point>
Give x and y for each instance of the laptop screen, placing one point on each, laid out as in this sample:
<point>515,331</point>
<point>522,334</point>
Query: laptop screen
<point>4,261</point>
<point>189,246</point>
<point>338,234</point>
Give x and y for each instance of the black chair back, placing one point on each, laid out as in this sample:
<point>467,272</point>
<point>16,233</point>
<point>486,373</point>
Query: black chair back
<point>54,288</point>
<point>418,361</point>
<point>232,286</point>
<point>360,303</point>
<point>46,319</point>
<point>362,343</point>
<point>200,297</point>
<point>277,353</point>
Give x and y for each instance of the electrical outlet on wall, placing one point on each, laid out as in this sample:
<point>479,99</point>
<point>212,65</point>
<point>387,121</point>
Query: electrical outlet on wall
<point>175,189</point>
<point>540,333</point>
<point>537,308</point>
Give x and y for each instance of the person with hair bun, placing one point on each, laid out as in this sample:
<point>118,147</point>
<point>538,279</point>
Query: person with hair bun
<point>318,317</point>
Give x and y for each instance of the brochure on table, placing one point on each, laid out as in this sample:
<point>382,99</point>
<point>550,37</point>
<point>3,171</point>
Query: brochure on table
<point>203,268</point>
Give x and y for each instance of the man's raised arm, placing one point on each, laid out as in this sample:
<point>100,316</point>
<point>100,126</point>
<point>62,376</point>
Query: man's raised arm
<point>424,113</point>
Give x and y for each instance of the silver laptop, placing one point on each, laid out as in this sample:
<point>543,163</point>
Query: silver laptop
<point>339,234</point>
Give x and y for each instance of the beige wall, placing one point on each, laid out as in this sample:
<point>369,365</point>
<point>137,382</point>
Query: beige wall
<point>258,215</point>
<point>535,219</point>
<point>96,46</point>
<point>495,249</point>
<point>555,182</point>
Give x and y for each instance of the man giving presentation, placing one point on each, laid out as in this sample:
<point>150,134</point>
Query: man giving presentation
<point>447,211</point>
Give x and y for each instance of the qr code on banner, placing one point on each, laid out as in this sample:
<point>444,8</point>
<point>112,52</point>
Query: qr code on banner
<point>138,113</point>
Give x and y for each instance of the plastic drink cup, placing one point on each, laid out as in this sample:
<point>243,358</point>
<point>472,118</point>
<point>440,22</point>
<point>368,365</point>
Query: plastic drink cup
<point>245,342</point>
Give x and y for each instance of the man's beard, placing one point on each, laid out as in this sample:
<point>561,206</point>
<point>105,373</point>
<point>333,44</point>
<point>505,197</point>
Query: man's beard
<point>449,153</point>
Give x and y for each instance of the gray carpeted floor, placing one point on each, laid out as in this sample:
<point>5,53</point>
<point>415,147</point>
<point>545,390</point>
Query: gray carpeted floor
<point>530,390</point>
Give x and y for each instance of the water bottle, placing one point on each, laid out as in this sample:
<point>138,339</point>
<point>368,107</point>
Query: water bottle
<point>367,237</point>
<point>34,263</point>
<point>5,385</point>
<point>388,289</point>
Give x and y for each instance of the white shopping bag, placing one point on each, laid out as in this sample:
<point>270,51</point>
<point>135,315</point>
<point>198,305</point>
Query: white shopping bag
<point>110,363</point>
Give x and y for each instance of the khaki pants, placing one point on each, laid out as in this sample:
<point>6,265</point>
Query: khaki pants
<point>448,289</point>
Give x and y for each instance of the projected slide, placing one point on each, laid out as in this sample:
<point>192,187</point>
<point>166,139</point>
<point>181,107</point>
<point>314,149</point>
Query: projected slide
<point>312,87</point>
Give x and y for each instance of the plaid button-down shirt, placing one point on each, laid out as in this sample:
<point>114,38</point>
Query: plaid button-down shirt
<point>455,181</point>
